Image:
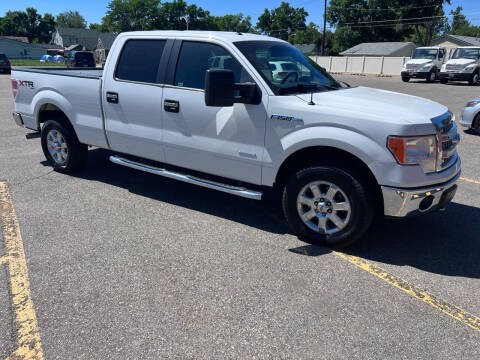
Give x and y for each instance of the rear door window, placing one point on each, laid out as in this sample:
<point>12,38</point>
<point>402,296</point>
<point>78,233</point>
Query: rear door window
<point>139,60</point>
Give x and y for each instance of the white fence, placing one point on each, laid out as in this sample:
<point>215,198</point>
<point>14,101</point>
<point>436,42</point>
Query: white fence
<point>379,65</point>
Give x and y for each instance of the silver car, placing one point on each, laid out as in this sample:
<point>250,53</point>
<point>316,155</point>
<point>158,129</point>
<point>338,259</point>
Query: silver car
<point>471,115</point>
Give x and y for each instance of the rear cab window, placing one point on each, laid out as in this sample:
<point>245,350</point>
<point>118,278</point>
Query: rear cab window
<point>139,60</point>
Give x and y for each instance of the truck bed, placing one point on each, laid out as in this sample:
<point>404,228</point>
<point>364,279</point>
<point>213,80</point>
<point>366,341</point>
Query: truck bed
<point>92,73</point>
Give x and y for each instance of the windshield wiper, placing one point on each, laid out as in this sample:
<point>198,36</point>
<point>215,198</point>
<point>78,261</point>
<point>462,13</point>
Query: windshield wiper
<point>305,87</point>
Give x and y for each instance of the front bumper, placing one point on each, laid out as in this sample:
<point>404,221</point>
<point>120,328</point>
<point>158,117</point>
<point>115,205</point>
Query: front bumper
<point>18,119</point>
<point>415,74</point>
<point>455,76</point>
<point>405,202</point>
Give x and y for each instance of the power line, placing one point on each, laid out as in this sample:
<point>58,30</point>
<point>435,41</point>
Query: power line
<point>383,21</point>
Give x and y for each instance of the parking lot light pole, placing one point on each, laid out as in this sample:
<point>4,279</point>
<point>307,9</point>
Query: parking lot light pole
<point>324,28</point>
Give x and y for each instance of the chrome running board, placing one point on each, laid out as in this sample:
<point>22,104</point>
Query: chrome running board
<point>238,191</point>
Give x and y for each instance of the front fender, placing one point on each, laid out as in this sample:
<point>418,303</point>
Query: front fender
<point>359,145</point>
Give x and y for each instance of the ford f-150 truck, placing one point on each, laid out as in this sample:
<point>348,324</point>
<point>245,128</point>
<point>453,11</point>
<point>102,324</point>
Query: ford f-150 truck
<point>337,155</point>
<point>463,66</point>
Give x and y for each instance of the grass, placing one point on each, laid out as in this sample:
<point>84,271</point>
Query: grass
<point>29,62</point>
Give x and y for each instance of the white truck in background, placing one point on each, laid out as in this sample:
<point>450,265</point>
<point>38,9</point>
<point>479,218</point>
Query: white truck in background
<point>425,63</point>
<point>337,156</point>
<point>464,65</point>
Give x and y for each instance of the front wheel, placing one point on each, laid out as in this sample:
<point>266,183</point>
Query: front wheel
<point>62,148</point>
<point>443,80</point>
<point>474,79</point>
<point>431,76</point>
<point>327,205</point>
<point>405,79</point>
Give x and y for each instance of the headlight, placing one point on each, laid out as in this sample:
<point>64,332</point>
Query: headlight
<point>473,103</point>
<point>470,68</point>
<point>444,68</point>
<point>418,150</point>
<point>427,66</point>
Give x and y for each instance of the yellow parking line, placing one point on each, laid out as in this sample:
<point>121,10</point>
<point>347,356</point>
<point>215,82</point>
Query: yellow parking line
<point>29,345</point>
<point>470,180</point>
<point>432,300</point>
<point>3,260</point>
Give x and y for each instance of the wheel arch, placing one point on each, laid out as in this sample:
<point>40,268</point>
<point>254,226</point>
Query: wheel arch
<point>304,156</point>
<point>48,111</point>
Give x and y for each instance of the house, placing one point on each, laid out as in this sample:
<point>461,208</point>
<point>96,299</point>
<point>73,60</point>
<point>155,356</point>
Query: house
<point>105,42</point>
<point>450,42</point>
<point>15,49</point>
<point>65,37</point>
<point>388,49</point>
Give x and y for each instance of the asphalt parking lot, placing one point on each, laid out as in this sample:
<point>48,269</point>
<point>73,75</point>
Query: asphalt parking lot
<point>123,264</point>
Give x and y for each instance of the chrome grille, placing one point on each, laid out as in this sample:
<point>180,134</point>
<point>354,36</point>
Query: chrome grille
<point>454,67</point>
<point>413,66</point>
<point>448,139</point>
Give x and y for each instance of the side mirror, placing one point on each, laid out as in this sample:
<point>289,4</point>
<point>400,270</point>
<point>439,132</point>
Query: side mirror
<point>221,90</point>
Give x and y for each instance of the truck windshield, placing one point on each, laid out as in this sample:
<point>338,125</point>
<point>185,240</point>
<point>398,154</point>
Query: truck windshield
<point>296,73</point>
<point>425,54</point>
<point>465,53</point>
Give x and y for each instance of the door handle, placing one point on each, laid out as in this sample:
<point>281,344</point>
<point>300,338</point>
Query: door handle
<point>112,97</point>
<point>171,105</point>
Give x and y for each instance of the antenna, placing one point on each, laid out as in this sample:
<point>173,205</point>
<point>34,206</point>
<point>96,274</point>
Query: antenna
<point>311,99</point>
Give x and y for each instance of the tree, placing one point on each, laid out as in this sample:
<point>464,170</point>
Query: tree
<point>235,22</point>
<point>387,20</point>
<point>71,19</point>
<point>28,23</point>
<point>461,26</point>
<point>283,21</point>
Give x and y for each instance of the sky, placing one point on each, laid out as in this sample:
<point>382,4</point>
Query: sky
<point>93,11</point>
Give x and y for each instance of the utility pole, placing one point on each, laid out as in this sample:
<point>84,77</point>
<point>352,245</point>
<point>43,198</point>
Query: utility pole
<point>324,28</point>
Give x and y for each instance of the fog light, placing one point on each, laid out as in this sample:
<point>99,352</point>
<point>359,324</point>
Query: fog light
<point>426,203</point>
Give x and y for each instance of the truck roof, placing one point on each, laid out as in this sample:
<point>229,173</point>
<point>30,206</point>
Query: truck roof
<point>468,47</point>
<point>219,35</point>
<point>430,47</point>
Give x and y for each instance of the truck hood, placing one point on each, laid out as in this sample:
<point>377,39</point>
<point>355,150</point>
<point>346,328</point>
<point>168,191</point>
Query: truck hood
<point>460,61</point>
<point>419,61</point>
<point>376,104</point>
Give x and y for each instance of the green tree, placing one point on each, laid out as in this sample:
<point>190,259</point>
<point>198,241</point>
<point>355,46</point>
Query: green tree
<point>234,22</point>
<point>461,26</point>
<point>283,21</point>
<point>71,19</point>
<point>28,23</point>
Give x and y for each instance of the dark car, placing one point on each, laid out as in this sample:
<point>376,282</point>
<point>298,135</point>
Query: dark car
<point>4,64</point>
<point>82,59</point>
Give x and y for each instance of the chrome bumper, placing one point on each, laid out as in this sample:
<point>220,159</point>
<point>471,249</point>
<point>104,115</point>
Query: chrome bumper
<point>406,202</point>
<point>18,119</point>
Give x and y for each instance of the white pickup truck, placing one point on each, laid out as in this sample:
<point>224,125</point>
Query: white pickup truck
<point>204,108</point>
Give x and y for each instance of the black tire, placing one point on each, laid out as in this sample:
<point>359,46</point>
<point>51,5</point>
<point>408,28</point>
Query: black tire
<point>476,124</point>
<point>429,76</point>
<point>355,188</point>
<point>474,78</point>
<point>405,79</point>
<point>443,80</point>
<point>77,153</point>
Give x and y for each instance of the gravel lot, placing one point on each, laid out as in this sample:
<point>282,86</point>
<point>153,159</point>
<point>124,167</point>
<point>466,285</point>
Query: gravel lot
<point>124,264</point>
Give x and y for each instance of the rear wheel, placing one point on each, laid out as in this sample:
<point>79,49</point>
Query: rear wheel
<point>62,148</point>
<point>443,80</point>
<point>405,79</point>
<point>327,205</point>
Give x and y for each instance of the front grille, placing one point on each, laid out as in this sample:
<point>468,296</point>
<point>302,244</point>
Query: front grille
<point>448,140</point>
<point>413,66</point>
<point>454,67</point>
